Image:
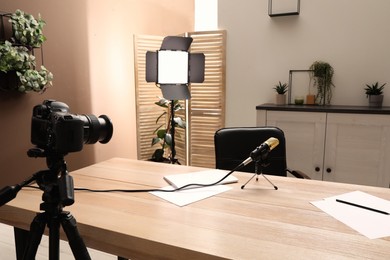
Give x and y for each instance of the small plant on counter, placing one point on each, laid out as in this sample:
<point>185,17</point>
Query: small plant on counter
<point>281,88</point>
<point>374,93</point>
<point>374,89</point>
<point>322,72</point>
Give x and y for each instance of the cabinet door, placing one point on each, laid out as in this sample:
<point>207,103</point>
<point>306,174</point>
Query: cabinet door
<point>305,139</point>
<point>358,149</point>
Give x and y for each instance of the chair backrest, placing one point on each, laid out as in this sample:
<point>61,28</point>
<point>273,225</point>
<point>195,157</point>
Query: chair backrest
<point>233,145</point>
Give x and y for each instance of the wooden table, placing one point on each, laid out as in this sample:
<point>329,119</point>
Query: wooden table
<point>255,223</point>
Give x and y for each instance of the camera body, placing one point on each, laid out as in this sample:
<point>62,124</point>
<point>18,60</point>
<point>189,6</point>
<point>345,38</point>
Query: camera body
<point>55,129</point>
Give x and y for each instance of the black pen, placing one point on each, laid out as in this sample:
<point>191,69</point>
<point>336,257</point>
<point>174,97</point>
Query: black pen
<point>363,207</point>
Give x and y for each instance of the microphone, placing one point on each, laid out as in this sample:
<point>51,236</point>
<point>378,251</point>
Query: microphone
<point>262,151</point>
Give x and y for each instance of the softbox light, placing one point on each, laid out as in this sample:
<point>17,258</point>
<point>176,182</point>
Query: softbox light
<point>173,67</point>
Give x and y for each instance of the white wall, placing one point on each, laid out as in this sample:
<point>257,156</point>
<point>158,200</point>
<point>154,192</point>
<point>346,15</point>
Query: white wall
<point>352,35</point>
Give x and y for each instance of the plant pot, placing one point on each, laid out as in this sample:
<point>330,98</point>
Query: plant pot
<point>375,100</point>
<point>9,81</point>
<point>280,99</point>
<point>310,99</point>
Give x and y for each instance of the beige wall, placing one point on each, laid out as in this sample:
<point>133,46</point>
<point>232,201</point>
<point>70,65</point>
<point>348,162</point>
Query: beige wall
<point>90,52</point>
<point>352,35</point>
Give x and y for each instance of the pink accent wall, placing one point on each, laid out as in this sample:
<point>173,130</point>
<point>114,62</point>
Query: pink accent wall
<point>89,49</point>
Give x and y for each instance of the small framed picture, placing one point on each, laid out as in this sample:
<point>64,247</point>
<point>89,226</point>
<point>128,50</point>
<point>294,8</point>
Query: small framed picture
<point>301,89</point>
<point>283,7</point>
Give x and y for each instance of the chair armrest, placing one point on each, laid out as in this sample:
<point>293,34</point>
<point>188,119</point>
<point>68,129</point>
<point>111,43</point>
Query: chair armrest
<point>298,174</point>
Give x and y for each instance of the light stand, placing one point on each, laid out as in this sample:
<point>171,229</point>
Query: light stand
<point>173,149</point>
<point>173,68</point>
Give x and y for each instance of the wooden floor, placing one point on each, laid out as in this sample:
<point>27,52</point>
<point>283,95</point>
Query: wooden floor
<point>7,248</point>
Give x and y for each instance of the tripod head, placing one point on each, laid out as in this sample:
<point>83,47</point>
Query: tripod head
<point>55,182</point>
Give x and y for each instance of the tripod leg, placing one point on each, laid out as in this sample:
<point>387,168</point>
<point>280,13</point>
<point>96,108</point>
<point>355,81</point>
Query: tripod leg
<point>36,231</point>
<point>21,241</point>
<point>76,243</point>
<point>243,186</point>
<point>275,187</point>
<point>54,238</point>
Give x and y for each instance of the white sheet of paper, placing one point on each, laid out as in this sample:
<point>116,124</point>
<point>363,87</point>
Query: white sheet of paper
<point>369,223</point>
<point>200,177</point>
<point>185,197</point>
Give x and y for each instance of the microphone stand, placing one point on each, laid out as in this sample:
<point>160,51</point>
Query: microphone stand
<point>259,164</point>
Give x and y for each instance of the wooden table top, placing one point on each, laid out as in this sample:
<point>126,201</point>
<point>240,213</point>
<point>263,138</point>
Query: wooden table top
<point>255,223</point>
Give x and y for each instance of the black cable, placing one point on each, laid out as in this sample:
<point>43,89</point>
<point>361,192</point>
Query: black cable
<point>156,190</point>
<point>162,190</point>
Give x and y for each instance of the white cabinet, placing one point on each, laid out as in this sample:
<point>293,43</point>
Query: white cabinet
<point>340,147</point>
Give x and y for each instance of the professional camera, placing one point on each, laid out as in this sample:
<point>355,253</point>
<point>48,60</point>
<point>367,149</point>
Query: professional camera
<point>55,129</point>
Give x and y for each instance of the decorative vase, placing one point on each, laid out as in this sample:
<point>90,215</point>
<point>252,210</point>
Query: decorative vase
<point>280,99</point>
<point>310,99</point>
<point>375,100</point>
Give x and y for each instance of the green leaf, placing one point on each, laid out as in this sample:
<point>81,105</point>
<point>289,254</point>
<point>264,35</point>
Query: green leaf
<point>180,122</point>
<point>155,140</point>
<point>162,103</point>
<point>168,139</point>
<point>162,133</point>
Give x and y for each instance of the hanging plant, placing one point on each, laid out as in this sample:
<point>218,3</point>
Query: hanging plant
<point>26,29</point>
<point>15,58</point>
<point>322,73</point>
<point>34,80</point>
<point>17,63</point>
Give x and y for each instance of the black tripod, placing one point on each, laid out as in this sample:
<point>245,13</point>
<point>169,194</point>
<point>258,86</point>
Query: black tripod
<point>260,158</point>
<point>58,192</point>
<point>258,171</point>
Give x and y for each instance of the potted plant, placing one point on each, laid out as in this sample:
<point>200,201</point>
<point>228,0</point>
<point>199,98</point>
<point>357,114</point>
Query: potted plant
<point>281,90</point>
<point>374,93</point>
<point>322,72</point>
<point>26,29</point>
<point>17,63</point>
<point>163,132</point>
<point>34,80</point>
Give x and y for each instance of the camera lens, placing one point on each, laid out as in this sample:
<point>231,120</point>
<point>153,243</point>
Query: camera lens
<point>97,129</point>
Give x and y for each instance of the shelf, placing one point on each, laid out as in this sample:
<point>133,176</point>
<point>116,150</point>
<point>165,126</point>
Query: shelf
<point>328,109</point>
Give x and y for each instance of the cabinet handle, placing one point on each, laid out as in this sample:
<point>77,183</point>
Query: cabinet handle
<point>317,169</point>
<point>328,170</point>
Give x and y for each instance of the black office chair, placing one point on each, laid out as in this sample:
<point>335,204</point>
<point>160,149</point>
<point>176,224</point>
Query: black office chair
<point>233,145</point>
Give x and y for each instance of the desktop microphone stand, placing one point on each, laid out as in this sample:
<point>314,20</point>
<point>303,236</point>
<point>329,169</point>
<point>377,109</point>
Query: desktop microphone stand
<point>259,164</point>
<point>57,186</point>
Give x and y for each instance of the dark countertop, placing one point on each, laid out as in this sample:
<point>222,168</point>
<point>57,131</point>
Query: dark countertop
<point>327,109</point>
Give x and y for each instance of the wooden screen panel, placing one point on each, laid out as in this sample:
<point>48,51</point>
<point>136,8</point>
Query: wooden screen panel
<point>207,105</point>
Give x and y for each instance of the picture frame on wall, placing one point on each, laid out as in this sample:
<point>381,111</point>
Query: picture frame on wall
<point>283,7</point>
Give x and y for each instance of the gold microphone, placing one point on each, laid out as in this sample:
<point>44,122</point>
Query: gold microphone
<point>262,150</point>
